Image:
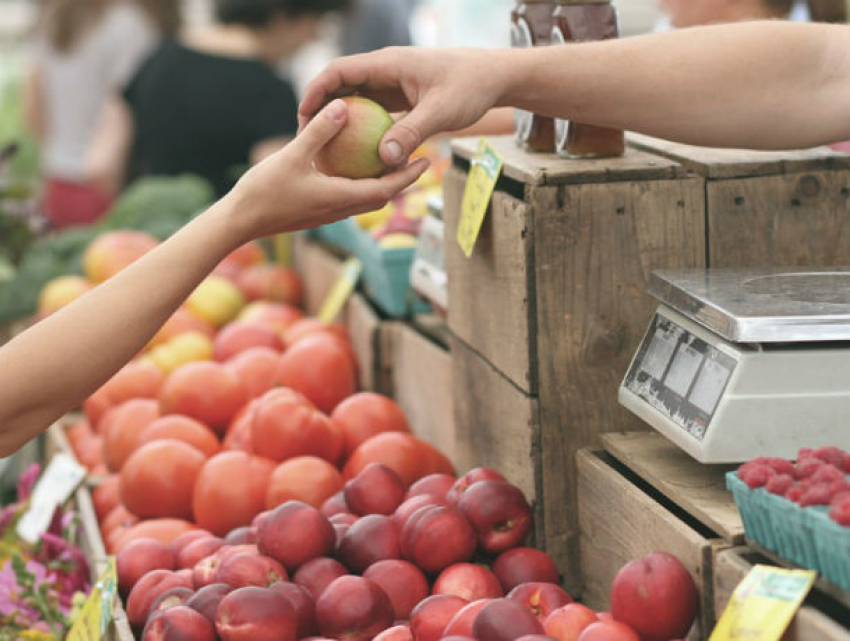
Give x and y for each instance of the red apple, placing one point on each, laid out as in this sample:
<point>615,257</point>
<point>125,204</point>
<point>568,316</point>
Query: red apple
<point>462,622</point>
<point>244,570</point>
<point>178,623</point>
<point>395,633</point>
<point>139,557</point>
<point>535,637</point>
<point>186,538</point>
<point>170,599</point>
<point>197,550</point>
<point>206,600</point>
<point>294,533</point>
<point>371,539</point>
<point>316,575</point>
<point>353,609</point>
<point>431,616</point>
<point>343,518</point>
<point>434,484</point>
<point>403,582</point>
<point>376,490</point>
<point>270,282</point>
<point>238,336</point>
<point>568,622</point>
<point>505,620</point>
<point>334,505</point>
<point>473,476</point>
<point>304,604</point>
<point>656,596</point>
<point>147,590</point>
<point>499,514</point>
<point>252,613</point>
<point>468,581</point>
<point>613,631</point>
<point>435,537</point>
<point>541,598</point>
<point>455,637</point>
<point>240,536</point>
<point>411,505</point>
<point>524,565</point>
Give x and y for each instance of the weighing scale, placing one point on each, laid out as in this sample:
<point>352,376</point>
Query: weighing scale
<point>744,363</point>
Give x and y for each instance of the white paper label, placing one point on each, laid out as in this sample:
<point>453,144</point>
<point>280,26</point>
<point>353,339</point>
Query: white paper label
<point>55,486</point>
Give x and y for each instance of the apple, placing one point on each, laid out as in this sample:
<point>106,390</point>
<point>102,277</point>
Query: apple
<point>316,575</point>
<point>377,489</point>
<point>343,518</point>
<point>271,282</point>
<point>253,613</point>
<point>353,152</point>
<point>541,598</point>
<point>431,616</point>
<point>499,514</point>
<point>111,252</point>
<point>468,581</point>
<point>277,316</point>
<point>304,604</point>
<point>206,600</point>
<point>170,599</point>
<point>656,596</point>
<point>147,590</point>
<point>178,623</point>
<point>608,631</point>
<point>353,609</point>
<point>524,565</point>
<point>411,505</point>
<point>395,633</point>
<point>240,536</point>
<point>294,533</point>
<point>569,621</point>
<point>250,569</point>
<point>334,505</point>
<point>505,620</point>
<point>462,622</point>
<point>403,582</point>
<point>473,476</point>
<point>197,550</point>
<point>371,539</point>
<point>238,336</point>
<point>138,558</point>
<point>435,537</point>
<point>535,637</point>
<point>437,485</point>
<point>206,570</point>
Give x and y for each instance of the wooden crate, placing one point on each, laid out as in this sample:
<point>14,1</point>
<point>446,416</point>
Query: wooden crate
<point>767,209</point>
<point>553,298</point>
<point>620,519</point>
<point>820,618</point>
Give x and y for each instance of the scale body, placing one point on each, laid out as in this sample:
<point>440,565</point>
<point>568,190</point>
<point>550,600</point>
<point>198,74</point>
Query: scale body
<point>744,363</point>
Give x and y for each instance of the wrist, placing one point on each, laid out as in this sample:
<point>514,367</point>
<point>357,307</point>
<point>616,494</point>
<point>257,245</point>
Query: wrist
<point>222,219</point>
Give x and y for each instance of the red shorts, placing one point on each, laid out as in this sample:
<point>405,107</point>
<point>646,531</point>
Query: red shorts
<point>67,203</point>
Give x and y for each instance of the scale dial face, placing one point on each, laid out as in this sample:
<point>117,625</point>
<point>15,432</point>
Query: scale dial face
<point>680,375</point>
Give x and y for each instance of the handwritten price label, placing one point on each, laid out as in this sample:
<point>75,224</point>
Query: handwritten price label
<point>341,291</point>
<point>56,484</point>
<point>484,172</point>
<point>96,614</point>
<point>763,604</point>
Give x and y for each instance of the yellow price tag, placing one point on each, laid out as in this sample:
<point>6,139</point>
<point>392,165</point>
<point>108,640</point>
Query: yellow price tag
<point>96,614</point>
<point>763,604</point>
<point>341,291</point>
<point>484,172</point>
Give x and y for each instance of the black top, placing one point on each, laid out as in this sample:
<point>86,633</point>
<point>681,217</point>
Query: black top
<point>201,113</point>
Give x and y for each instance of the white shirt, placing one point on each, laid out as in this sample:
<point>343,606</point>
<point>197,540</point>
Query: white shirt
<point>76,84</point>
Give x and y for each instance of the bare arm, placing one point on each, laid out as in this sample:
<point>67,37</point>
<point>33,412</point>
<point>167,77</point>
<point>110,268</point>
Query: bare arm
<point>34,110</point>
<point>106,160</point>
<point>53,366</point>
<point>761,85</point>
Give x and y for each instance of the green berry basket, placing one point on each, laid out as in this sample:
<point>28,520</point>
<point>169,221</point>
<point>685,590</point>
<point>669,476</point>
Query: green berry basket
<point>805,536</point>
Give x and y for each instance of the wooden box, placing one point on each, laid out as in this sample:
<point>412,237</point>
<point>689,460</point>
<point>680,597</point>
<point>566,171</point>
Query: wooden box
<point>553,300</point>
<point>769,209</point>
<point>821,618</point>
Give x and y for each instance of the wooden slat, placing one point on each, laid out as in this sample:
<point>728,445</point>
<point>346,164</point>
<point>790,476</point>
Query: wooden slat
<point>363,327</point>
<point>595,248</point>
<point>619,522</point>
<point>788,220</point>
<point>549,169</point>
<point>492,293</point>
<point>717,163</point>
<point>319,269</point>
<point>496,423</point>
<point>810,624</point>
<point>698,489</point>
<point>421,374</point>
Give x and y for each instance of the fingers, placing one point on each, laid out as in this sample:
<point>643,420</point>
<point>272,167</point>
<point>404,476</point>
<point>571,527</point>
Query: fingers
<point>319,131</point>
<point>410,131</point>
<point>381,190</point>
<point>345,72</point>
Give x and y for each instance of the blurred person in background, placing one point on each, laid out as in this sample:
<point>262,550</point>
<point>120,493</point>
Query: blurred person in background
<point>375,24</point>
<point>84,51</point>
<point>210,101</point>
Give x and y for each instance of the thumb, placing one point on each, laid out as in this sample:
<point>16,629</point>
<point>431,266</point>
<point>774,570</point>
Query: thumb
<point>321,129</point>
<point>409,132</point>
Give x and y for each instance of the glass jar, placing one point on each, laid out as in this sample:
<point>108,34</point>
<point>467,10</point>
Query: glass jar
<point>585,21</point>
<point>531,26</point>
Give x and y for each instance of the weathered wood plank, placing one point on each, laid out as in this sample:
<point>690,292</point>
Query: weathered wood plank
<point>492,293</point>
<point>595,248</point>
<point>319,269</point>
<point>698,489</point>
<point>619,522</point>
<point>363,327</point>
<point>550,169</point>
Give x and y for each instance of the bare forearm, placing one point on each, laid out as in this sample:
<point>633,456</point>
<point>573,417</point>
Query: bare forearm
<point>758,85</point>
<point>70,354</point>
